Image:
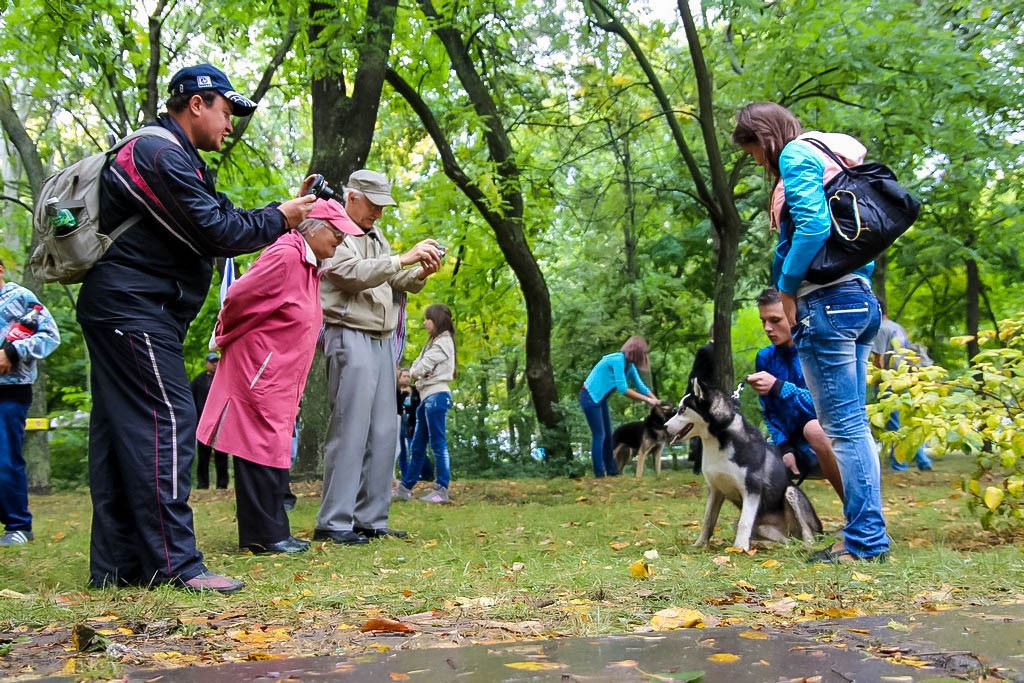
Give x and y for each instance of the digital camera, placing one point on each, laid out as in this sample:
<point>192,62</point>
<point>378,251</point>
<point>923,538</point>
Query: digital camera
<point>321,190</point>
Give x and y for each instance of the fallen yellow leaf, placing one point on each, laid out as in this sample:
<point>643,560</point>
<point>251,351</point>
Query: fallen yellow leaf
<point>770,564</point>
<point>676,617</point>
<point>534,666</point>
<point>260,636</point>
<point>863,578</point>
<point>641,570</point>
<point>754,635</point>
<point>618,545</point>
<point>724,658</point>
<point>398,676</point>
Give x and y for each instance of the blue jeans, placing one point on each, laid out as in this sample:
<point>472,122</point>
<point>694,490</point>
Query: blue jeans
<point>432,425</point>
<point>599,420</point>
<point>404,447</point>
<point>833,335</point>
<point>921,459</point>
<point>13,475</point>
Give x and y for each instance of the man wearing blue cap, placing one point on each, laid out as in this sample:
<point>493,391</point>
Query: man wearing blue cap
<point>135,306</point>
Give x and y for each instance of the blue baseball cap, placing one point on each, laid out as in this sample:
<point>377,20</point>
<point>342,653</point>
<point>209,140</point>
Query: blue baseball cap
<point>208,77</point>
<point>212,356</point>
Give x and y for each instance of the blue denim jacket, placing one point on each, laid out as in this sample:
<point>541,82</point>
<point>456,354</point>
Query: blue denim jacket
<point>805,227</point>
<point>16,301</point>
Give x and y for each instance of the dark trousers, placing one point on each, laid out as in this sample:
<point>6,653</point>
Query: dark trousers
<point>142,433</point>
<point>13,475</point>
<point>220,464</point>
<point>259,499</point>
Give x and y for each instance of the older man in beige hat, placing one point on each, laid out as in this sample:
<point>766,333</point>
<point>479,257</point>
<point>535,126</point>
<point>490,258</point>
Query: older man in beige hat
<point>359,291</point>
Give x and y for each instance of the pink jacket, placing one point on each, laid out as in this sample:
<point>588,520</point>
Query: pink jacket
<point>267,332</point>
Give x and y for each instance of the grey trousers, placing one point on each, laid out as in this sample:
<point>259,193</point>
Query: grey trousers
<point>359,453</point>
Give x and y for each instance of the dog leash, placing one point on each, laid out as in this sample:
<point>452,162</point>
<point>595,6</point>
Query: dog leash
<point>736,394</point>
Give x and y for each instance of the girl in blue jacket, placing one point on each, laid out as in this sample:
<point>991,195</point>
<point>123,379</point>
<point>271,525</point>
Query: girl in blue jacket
<point>833,324</point>
<point>614,372</point>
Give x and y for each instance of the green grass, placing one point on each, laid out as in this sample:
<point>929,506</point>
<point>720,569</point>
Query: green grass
<point>509,559</point>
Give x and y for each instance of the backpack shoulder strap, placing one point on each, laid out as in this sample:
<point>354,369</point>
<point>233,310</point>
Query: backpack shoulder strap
<point>155,131</point>
<point>826,151</point>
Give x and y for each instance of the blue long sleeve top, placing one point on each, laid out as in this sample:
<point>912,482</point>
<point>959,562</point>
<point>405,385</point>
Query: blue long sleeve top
<point>613,373</point>
<point>804,228</point>
<point>788,406</point>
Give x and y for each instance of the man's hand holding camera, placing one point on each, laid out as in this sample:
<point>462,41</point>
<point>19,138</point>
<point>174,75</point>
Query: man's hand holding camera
<point>295,210</point>
<point>426,253</point>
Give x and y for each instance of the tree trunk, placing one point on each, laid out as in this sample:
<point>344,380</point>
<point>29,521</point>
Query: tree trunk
<point>343,128</point>
<point>506,221</point>
<point>713,187</point>
<point>973,308</point>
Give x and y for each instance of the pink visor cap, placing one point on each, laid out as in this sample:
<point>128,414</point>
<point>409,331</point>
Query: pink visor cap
<point>334,213</point>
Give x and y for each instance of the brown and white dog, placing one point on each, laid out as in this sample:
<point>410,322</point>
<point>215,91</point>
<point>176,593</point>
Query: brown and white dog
<point>643,438</point>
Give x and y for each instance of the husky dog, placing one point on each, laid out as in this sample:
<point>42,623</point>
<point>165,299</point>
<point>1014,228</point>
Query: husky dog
<point>647,436</point>
<point>740,465</point>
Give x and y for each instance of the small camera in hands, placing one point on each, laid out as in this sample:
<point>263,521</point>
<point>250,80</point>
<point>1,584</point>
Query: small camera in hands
<point>321,190</point>
<point>441,250</point>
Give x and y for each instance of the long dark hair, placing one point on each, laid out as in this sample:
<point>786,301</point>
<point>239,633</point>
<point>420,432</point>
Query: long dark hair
<point>441,316</point>
<point>635,350</point>
<point>769,125</point>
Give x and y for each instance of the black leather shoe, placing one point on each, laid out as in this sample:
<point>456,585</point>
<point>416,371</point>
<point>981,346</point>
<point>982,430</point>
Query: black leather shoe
<point>379,533</point>
<point>288,545</point>
<point>345,537</point>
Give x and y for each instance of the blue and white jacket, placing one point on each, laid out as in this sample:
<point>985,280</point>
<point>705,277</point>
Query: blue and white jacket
<point>15,302</point>
<point>805,225</point>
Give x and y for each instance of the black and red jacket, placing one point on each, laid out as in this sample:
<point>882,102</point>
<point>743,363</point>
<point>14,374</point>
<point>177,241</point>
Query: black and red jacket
<point>156,275</point>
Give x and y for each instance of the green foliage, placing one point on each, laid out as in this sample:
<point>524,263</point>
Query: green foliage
<point>979,413</point>
<point>931,88</point>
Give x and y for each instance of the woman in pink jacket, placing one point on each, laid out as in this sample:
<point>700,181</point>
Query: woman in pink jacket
<point>267,332</point>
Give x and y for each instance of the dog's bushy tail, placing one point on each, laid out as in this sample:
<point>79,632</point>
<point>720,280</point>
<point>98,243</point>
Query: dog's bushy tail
<point>806,518</point>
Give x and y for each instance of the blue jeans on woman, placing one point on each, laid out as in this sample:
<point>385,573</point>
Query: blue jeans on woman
<point>432,426</point>
<point>599,420</point>
<point>833,335</point>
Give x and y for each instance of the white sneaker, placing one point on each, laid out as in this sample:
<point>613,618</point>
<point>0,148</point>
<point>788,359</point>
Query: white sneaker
<point>16,538</point>
<point>438,495</point>
<point>401,493</point>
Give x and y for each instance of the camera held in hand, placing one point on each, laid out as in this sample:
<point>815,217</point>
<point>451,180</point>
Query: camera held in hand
<point>441,250</point>
<point>321,190</point>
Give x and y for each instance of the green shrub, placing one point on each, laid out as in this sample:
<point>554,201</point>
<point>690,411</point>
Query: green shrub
<point>979,413</point>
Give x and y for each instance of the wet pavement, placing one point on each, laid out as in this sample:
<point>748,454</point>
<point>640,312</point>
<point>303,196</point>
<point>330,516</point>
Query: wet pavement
<point>962,644</point>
